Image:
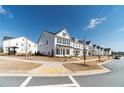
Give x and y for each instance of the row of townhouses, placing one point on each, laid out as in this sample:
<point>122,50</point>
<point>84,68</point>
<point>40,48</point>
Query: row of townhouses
<point>57,44</point>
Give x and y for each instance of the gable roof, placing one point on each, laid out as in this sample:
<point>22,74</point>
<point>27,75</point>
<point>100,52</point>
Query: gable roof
<point>7,38</point>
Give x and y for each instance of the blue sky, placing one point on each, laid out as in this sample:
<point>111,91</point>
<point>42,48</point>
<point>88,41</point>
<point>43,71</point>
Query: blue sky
<point>104,25</point>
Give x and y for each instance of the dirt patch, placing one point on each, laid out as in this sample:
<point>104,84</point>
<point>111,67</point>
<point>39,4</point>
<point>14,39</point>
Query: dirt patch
<point>13,67</point>
<point>82,67</point>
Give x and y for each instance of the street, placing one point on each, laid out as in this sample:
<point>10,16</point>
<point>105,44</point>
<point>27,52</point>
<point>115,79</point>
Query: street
<point>115,78</point>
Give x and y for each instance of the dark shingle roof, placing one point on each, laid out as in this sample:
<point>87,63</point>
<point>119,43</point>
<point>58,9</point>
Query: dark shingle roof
<point>94,45</point>
<point>54,33</point>
<point>51,32</point>
<point>73,38</point>
<point>80,41</point>
<point>88,42</point>
<point>7,38</point>
<point>107,49</point>
<point>98,46</point>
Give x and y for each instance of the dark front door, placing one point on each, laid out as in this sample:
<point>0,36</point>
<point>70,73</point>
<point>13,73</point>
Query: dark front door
<point>63,51</point>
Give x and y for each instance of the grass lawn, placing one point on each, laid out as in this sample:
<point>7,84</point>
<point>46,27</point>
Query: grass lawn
<point>82,67</point>
<point>13,67</point>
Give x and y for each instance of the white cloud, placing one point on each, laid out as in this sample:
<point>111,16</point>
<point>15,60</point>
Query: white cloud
<point>94,22</point>
<point>121,30</point>
<point>3,11</point>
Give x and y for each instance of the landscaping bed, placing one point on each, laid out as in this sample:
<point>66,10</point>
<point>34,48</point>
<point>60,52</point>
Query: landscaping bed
<point>82,67</point>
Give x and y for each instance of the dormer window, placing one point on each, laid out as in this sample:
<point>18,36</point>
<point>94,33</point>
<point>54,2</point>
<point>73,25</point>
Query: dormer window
<point>64,34</point>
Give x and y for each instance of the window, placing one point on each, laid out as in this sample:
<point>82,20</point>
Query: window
<point>57,51</point>
<point>34,45</point>
<point>47,42</point>
<point>43,35</point>
<point>44,44</point>
<point>64,41</point>
<point>64,34</point>
<point>76,45</point>
<point>68,42</point>
<point>58,40</point>
<point>22,44</point>
<point>29,45</point>
<point>68,51</point>
<point>73,44</point>
<point>16,44</point>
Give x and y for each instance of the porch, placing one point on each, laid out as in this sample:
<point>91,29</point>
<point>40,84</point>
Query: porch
<point>63,51</point>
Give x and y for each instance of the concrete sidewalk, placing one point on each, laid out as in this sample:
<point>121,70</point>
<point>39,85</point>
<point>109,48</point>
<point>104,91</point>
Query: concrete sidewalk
<point>32,61</point>
<point>53,69</point>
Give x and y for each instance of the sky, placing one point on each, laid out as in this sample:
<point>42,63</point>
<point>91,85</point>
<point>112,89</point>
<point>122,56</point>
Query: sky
<point>103,25</point>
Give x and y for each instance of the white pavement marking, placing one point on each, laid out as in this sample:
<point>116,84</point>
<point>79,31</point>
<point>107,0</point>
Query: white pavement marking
<point>74,81</point>
<point>25,82</point>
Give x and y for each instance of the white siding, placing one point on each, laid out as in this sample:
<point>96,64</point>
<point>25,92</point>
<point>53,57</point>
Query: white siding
<point>24,45</point>
<point>43,47</point>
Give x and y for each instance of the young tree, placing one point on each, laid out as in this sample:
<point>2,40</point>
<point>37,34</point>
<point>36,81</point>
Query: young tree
<point>52,53</point>
<point>84,51</point>
<point>99,57</point>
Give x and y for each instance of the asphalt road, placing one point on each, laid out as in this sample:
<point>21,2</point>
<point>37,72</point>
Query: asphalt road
<point>115,78</point>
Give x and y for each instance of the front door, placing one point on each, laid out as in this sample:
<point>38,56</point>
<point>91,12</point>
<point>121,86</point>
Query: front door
<point>63,51</point>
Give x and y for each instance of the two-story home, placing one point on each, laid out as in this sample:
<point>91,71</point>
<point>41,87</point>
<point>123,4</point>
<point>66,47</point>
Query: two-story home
<point>18,45</point>
<point>107,51</point>
<point>57,44</point>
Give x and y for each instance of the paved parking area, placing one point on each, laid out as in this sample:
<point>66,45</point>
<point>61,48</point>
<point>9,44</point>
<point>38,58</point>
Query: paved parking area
<point>112,79</point>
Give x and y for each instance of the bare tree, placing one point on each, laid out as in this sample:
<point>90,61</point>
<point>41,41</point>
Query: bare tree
<point>99,55</point>
<point>26,48</point>
<point>84,50</point>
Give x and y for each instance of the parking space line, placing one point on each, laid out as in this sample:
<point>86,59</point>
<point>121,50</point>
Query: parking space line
<point>74,81</point>
<point>26,82</point>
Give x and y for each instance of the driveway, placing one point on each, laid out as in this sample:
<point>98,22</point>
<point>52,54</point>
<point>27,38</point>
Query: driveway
<point>115,78</point>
